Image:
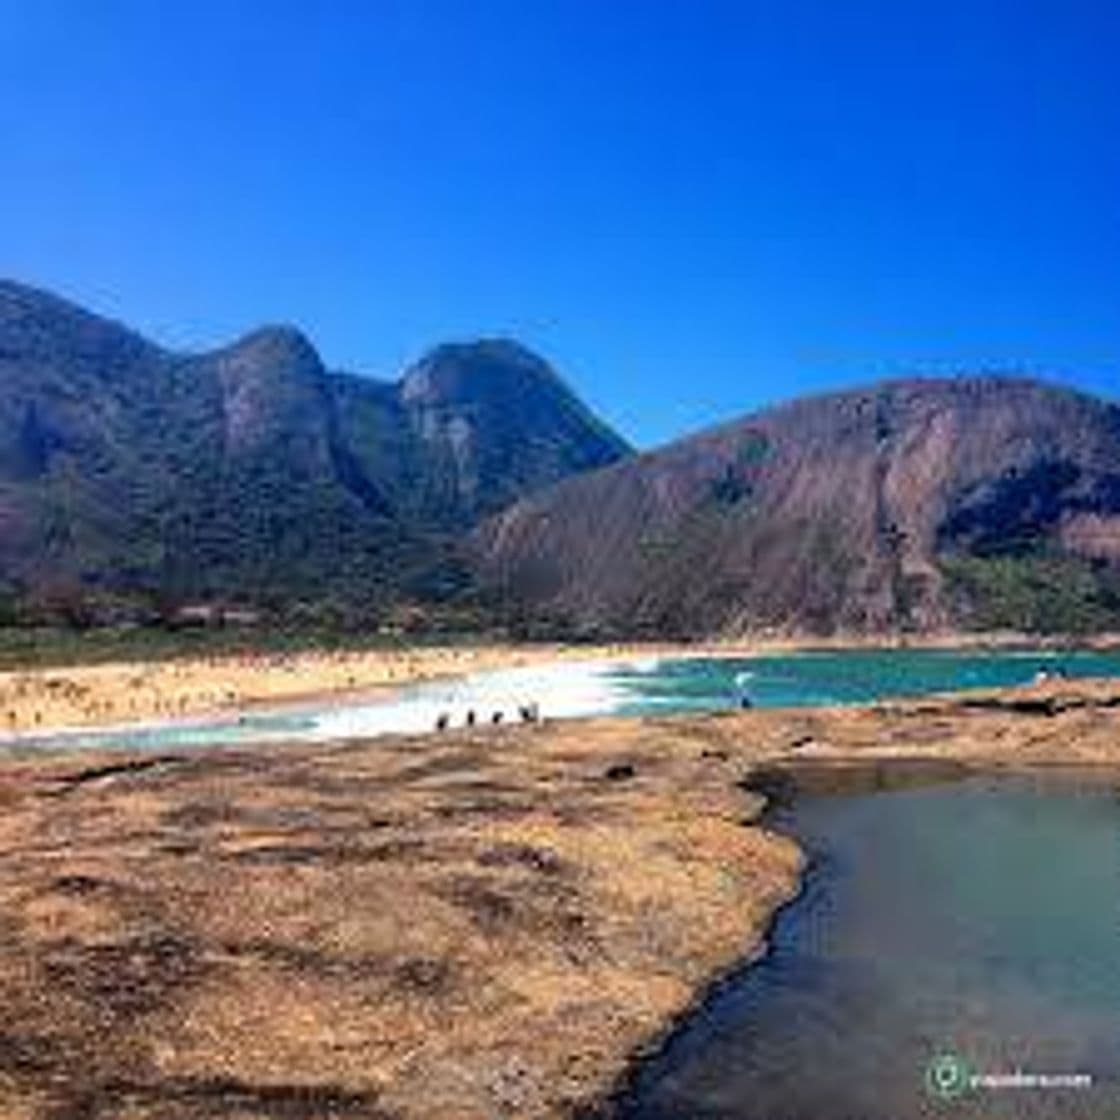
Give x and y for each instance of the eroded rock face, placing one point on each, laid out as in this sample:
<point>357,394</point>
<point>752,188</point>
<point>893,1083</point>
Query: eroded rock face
<point>898,506</point>
<point>1093,535</point>
<point>501,422</point>
<point>273,385</point>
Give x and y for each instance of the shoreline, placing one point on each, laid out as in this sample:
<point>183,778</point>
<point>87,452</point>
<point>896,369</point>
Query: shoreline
<point>627,1087</point>
<point>130,696</point>
<point>605,1104</point>
<point>861,766</point>
<point>126,694</point>
<point>494,922</point>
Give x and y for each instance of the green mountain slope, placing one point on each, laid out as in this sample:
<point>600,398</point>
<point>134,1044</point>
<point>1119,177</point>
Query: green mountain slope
<point>254,474</point>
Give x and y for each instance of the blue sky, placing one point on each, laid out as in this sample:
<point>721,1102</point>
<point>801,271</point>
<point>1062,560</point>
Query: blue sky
<point>691,208</point>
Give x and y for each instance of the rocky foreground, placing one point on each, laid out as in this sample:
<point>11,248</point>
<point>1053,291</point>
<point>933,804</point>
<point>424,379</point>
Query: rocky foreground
<point>469,925</point>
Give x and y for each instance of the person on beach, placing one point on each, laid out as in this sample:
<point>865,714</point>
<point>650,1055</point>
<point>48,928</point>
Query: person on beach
<point>742,698</point>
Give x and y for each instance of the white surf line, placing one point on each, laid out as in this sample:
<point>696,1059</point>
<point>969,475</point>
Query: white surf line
<point>556,690</point>
<point>559,689</point>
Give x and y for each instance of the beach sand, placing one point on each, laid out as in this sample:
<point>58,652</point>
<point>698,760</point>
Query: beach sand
<point>44,700</point>
<point>487,923</point>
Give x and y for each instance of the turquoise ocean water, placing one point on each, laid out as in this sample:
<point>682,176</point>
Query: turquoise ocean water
<point>842,677</point>
<point>639,687</point>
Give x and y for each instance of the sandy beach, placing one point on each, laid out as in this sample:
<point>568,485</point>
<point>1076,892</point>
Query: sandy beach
<point>479,924</point>
<point>43,700</point>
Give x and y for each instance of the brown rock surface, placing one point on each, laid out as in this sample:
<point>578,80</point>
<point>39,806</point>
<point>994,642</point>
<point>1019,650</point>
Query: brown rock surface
<point>467,925</point>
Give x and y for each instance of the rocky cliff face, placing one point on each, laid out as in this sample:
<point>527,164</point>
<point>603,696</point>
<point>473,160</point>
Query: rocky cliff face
<point>910,505</point>
<point>499,423</point>
<point>254,472</point>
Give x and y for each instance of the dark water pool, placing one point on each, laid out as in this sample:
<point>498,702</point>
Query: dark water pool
<point>976,917</point>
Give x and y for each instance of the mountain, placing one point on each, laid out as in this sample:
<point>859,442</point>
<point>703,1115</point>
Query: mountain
<point>497,422</point>
<point>911,505</point>
<point>253,473</point>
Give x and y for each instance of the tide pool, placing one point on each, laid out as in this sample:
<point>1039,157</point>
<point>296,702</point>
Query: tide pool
<point>972,922</point>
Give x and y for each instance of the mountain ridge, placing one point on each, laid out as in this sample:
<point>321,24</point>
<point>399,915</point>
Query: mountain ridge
<point>478,481</point>
<point>842,511</point>
<point>252,471</point>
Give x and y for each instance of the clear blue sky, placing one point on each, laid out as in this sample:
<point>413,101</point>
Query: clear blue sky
<point>692,208</point>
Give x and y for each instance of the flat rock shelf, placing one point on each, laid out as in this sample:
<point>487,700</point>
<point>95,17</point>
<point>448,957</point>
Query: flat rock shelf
<point>482,923</point>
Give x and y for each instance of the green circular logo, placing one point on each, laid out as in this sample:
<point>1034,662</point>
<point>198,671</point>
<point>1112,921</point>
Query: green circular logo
<point>947,1076</point>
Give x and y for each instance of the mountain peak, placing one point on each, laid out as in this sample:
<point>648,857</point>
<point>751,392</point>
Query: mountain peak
<point>275,347</point>
<point>455,371</point>
<point>250,471</point>
<point>501,421</point>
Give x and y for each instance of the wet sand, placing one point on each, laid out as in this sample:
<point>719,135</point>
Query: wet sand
<point>475,924</point>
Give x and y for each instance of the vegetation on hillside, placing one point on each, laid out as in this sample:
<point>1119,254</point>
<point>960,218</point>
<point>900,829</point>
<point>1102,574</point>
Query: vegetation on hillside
<point>134,481</point>
<point>1036,593</point>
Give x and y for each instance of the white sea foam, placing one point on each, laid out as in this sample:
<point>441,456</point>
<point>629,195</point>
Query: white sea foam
<point>642,664</point>
<point>560,690</point>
